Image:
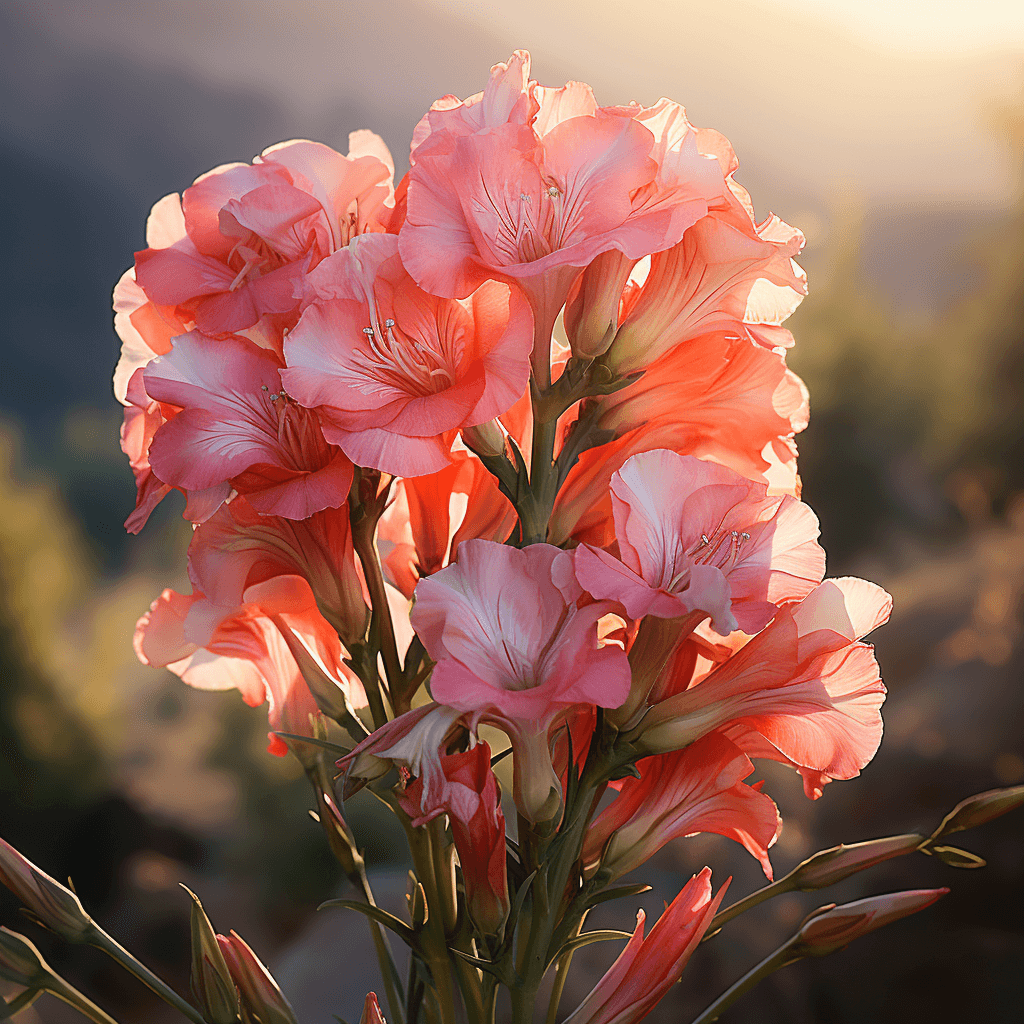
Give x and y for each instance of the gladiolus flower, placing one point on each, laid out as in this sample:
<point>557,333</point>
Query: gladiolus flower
<point>648,967</point>
<point>430,516</point>
<point>532,184</point>
<point>260,995</point>
<point>697,537</point>
<point>237,427</point>
<point>394,372</point>
<point>233,253</point>
<point>514,647</point>
<point>699,789</point>
<point>472,802</point>
<point>55,905</point>
<point>805,690</point>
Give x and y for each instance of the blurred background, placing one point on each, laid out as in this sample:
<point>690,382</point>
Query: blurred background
<point>891,132</point>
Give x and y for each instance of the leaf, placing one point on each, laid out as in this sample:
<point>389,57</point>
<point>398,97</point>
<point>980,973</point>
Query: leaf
<point>617,893</point>
<point>600,935</point>
<point>957,858</point>
<point>332,748</point>
<point>498,969</point>
<point>400,928</point>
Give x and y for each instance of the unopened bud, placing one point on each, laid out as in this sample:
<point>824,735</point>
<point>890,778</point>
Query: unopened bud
<point>54,905</point>
<point>327,691</point>
<point>485,439</point>
<point>837,927</point>
<point>371,1011</point>
<point>592,312</point>
<point>339,837</point>
<point>976,810</point>
<point>261,998</point>
<point>212,983</point>
<point>831,866</point>
<point>416,897</point>
<point>20,962</point>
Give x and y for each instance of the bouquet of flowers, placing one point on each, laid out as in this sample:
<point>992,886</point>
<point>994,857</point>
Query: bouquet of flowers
<point>498,463</point>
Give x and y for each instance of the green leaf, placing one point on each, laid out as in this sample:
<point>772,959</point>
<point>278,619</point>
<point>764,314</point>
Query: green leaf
<point>400,928</point>
<point>617,893</point>
<point>497,968</point>
<point>957,858</point>
<point>332,748</point>
<point>601,935</point>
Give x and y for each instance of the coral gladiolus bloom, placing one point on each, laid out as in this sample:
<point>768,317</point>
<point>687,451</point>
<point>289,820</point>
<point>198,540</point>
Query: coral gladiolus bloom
<point>806,689</point>
<point>394,372</point>
<point>532,184</point>
<point>245,235</point>
<point>648,967</point>
<point>472,802</point>
<point>699,789</point>
<point>513,647</point>
<point>694,536</point>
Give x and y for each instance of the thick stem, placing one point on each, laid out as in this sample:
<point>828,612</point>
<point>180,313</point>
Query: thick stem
<point>362,541</point>
<point>101,940</point>
<point>770,964</point>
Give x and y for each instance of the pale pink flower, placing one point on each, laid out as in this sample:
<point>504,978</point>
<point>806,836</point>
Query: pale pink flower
<point>648,967</point>
<point>393,372</point>
<point>805,685</point>
<point>246,235</point>
<point>534,187</point>
<point>694,536</point>
<point>514,647</point>
<point>698,789</point>
<point>235,427</point>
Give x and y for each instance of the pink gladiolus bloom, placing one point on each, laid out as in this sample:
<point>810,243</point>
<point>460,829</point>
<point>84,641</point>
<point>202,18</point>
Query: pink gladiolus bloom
<point>532,184</point>
<point>238,428</point>
<point>514,647</point>
<point>695,537</point>
<point>721,397</point>
<point>430,516</point>
<point>393,372</point>
<point>472,802</point>
<point>648,967</point>
<point>244,236</point>
<point>805,686</point>
<point>699,789</point>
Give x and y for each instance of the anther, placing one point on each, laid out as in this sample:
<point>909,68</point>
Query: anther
<point>274,398</point>
<point>264,388</point>
<point>553,192</point>
<point>389,322</point>
<point>744,536</point>
<point>368,331</point>
<point>704,539</point>
<point>525,198</point>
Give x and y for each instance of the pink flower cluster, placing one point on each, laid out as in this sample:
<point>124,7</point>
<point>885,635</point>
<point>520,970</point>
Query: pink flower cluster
<point>370,396</point>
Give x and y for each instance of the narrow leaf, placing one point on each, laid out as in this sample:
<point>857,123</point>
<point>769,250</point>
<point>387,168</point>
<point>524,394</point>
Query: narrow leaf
<point>601,935</point>
<point>613,894</point>
<point>400,928</point>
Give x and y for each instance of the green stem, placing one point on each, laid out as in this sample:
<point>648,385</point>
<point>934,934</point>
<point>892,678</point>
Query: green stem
<point>83,1004</point>
<point>101,940</point>
<point>754,976</point>
<point>388,970</point>
<point>22,1001</point>
<point>748,903</point>
<point>562,973</point>
<point>362,541</point>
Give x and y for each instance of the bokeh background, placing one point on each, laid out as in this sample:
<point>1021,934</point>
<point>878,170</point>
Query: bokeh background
<point>891,131</point>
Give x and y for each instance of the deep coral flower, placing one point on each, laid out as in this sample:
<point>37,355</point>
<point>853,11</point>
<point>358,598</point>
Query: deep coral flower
<point>648,967</point>
<point>694,536</point>
<point>698,789</point>
<point>804,691</point>
<point>393,372</point>
<point>515,648</point>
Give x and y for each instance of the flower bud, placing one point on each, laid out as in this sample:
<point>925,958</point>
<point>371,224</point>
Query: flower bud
<point>485,439</point>
<point>836,927</point>
<point>20,962</point>
<point>339,837</point>
<point>56,906</point>
<point>831,866</point>
<point>592,312</point>
<point>371,1011</point>
<point>976,810</point>
<point>212,982</point>
<point>260,995</point>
